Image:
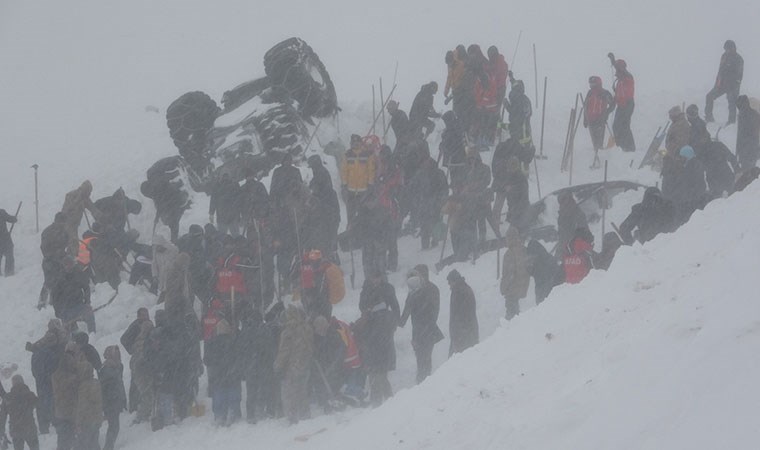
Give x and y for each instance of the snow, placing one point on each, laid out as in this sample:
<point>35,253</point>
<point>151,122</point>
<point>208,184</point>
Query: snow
<point>656,353</point>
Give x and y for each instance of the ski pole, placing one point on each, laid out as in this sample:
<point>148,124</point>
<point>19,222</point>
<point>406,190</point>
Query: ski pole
<point>543,119</point>
<point>383,111</point>
<point>261,263</point>
<point>373,108</point>
<point>385,103</point>
<point>16,216</point>
<point>514,55</point>
<point>604,192</point>
<point>36,199</point>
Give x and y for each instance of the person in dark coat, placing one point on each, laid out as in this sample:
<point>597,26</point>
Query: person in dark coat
<point>422,110</point>
<point>116,208</point>
<point>721,167</point>
<point>220,357</point>
<point>200,271</point>
<point>6,243</point>
<point>452,148</point>
<point>699,137</point>
<point>225,203</point>
<point>327,202</point>
<point>463,318</point>
<point>690,189</point>
<point>401,128</point>
<point>88,350</point>
<point>375,329</point>
<point>327,375</point>
<point>373,228</point>
<point>168,192</point>
<point>511,184</point>
<point>654,215</point>
<point>46,353</point>
<point>128,341</point>
<point>286,179</point>
<point>253,339</point>
<point>728,82</point>
<point>520,110</point>
<point>570,218</point>
<point>429,189</point>
<point>70,295</point>
<point>53,243</point>
<point>747,134</point>
<point>544,269</point>
<point>111,377</point>
<point>422,304</point>
<point>18,407</point>
<point>254,200</point>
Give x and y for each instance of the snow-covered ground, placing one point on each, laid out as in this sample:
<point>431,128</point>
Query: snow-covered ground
<point>656,353</point>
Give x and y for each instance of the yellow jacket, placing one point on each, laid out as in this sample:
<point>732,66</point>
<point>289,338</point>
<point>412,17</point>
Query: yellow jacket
<point>357,170</point>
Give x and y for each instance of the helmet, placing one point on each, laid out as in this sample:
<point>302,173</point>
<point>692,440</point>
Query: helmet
<point>594,80</point>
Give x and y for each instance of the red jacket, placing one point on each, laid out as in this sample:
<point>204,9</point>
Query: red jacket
<point>486,97</point>
<point>498,71</point>
<point>624,89</point>
<point>577,261</point>
<point>390,184</point>
<point>229,275</point>
<point>598,103</point>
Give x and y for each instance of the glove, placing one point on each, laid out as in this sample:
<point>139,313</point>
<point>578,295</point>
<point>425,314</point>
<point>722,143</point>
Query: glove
<point>447,100</point>
<point>28,346</point>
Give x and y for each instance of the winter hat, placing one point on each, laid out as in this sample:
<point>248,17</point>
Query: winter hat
<point>356,139</point>
<point>17,380</point>
<point>692,110</point>
<point>392,105</point>
<point>414,281</point>
<point>674,111</point>
<point>729,45</point>
<point>81,338</point>
<point>112,353</point>
<point>423,270</point>
<point>620,64</point>
<point>492,52</point>
<point>594,80</point>
<point>454,275</point>
<point>321,325</point>
<point>314,161</point>
<point>686,152</point>
<point>195,230</point>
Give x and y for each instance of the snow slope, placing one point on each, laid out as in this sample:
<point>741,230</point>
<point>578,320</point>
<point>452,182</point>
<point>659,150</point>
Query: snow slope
<point>658,352</point>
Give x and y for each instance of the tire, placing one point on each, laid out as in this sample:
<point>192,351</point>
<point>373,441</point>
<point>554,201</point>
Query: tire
<point>294,69</point>
<point>189,119</point>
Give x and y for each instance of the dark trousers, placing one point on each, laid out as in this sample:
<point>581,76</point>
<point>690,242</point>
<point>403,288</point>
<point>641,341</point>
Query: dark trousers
<point>6,250</point>
<point>597,134</point>
<point>731,93</point>
<point>45,404</point>
<point>134,396</point>
<point>31,441</point>
<point>65,431</point>
<point>424,354</point>
<point>225,403</point>
<point>621,127</point>
<point>87,437</point>
<point>113,430</point>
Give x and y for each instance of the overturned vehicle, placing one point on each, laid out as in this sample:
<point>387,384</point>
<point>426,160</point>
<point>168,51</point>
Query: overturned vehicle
<point>259,121</point>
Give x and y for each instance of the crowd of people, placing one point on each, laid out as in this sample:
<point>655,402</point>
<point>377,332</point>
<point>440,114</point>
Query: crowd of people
<point>265,271</point>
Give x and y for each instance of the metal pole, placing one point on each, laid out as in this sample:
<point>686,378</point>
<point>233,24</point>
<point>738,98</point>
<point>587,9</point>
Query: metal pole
<point>535,72</point>
<point>543,120</point>
<point>514,55</point>
<point>36,199</point>
<point>373,109</point>
<point>383,111</point>
<point>604,193</point>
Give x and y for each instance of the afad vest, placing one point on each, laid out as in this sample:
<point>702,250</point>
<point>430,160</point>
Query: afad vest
<point>229,276</point>
<point>577,261</point>
<point>352,359</point>
<point>83,256</point>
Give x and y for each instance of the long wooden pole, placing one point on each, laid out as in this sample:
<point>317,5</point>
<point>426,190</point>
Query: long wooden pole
<point>372,130</point>
<point>543,120</point>
<point>383,109</point>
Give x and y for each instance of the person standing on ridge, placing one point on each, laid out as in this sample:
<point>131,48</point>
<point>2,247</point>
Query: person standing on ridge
<point>728,81</point>
<point>597,108</point>
<point>624,88</point>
